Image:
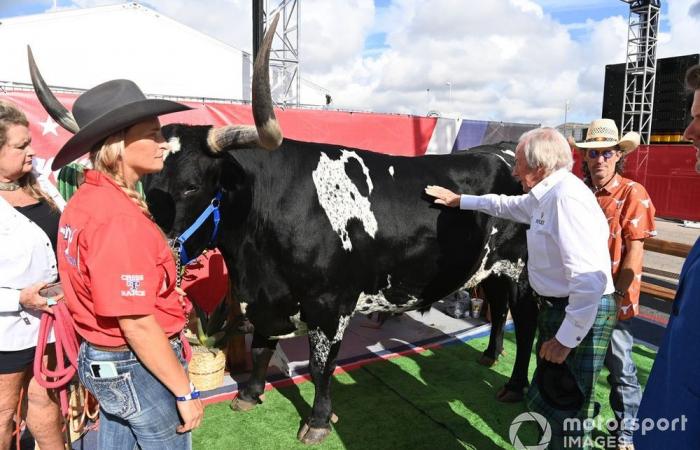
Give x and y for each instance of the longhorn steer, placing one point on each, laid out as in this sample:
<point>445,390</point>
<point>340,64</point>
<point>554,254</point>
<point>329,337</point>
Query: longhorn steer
<point>313,233</point>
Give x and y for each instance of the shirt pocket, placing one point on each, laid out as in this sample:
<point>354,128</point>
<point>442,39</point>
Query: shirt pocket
<point>539,249</point>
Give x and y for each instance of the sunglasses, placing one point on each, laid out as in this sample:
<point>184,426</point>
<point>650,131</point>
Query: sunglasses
<point>607,154</point>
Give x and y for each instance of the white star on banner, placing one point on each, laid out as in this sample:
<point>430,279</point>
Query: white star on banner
<point>49,126</point>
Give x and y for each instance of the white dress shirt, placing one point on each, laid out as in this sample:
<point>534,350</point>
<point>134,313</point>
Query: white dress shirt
<point>26,258</point>
<point>567,244</point>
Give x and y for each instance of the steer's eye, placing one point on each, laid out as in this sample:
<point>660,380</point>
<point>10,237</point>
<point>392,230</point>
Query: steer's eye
<point>190,190</point>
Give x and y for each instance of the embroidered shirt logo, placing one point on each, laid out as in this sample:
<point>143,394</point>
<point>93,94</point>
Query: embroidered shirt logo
<point>540,221</point>
<point>67,233</point>
<point>133,283</point>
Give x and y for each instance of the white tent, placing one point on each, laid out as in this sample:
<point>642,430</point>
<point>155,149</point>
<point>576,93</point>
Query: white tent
<point>80,48</point>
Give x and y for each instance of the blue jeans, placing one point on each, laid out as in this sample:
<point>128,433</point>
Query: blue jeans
<point>135,408</point>
<point>625,392</point>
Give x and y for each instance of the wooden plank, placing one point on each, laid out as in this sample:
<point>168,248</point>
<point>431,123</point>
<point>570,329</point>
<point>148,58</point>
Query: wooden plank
<point>661,292</point>
<point>667,247</point>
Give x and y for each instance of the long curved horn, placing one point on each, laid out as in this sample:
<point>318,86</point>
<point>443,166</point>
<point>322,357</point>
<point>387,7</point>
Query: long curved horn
<point>55,109</point>
<point>269,131</point>
<point>232,136</point>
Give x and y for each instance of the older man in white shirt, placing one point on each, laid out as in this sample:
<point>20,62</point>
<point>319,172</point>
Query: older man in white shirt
<point>569,268</point>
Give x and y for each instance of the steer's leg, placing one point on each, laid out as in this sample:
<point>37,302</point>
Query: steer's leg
<point>499,291</point>
<point>324,349</point>
<point>262,350</point>
<point>524,310</point>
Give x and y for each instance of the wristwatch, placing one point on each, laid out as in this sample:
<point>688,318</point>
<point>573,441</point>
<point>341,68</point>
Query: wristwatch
<point>194,394</point>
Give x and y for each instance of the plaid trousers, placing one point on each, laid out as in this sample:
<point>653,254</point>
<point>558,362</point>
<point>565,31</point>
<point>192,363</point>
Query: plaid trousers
<point>584,362</point>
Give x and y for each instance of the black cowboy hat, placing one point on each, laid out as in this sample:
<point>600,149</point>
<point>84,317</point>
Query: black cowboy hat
<point>106,109</point>
<point>98,113</point>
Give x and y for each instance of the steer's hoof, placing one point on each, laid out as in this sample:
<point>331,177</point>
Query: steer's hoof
<point>487,361</point>
<point>311,435</point>
<point>238,404</point>
<point>506,395</point>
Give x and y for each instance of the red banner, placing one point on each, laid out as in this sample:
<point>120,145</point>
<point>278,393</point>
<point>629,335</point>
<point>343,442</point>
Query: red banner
<point>667,171</point>
<point>386,133</point>
<point>668,174</point>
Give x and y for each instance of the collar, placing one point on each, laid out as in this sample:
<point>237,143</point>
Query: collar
<point>612,185</point>
<point>97,178</point>
<point>546,185</point>
<point>100,179</point>
<point>6,210</point>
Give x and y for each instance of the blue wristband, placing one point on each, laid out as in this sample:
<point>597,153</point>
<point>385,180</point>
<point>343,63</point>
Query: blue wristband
<point>193,395</point>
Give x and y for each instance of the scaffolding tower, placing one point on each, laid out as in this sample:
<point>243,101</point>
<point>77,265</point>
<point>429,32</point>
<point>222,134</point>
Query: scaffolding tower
<point>284,54</point>
<point>640,67</point>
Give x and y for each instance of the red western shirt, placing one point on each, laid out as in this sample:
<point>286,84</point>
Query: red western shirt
<point>114,262</point>
<point>630,214</point>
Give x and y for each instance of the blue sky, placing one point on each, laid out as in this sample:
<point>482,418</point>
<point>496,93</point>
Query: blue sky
<point>511,60</point>
<point>567,12</point>
<point>573,14</point>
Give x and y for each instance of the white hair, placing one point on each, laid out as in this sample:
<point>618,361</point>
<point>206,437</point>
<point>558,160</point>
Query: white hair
<point>546,148</point>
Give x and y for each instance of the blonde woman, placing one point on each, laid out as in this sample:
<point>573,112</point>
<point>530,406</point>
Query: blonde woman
<point>28,225</point>
<point>118,273</point>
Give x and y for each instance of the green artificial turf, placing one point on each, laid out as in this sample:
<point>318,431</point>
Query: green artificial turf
<point>439,399</point>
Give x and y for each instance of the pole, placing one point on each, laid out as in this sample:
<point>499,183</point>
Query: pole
<point>258,25</point>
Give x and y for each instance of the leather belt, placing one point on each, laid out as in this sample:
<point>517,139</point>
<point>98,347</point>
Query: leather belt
<point>552,300</point>
<point>121,348</point>
<point>125,347</point>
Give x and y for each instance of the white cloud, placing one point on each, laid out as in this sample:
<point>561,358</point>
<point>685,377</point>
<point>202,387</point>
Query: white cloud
<point>504,60</point>
<point>501,59</point>
<point>684,35</point>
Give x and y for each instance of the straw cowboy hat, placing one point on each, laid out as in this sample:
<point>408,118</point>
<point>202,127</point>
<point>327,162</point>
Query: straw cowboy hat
<point>602,133</point>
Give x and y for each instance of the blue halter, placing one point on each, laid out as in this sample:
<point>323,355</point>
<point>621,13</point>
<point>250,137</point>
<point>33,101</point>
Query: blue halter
<point>213,208</point>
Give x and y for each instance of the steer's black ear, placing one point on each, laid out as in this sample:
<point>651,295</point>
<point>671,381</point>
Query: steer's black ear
<point>232,177</point>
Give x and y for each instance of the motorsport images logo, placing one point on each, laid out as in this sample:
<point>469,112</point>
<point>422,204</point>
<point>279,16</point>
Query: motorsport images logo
<point>530,417</point>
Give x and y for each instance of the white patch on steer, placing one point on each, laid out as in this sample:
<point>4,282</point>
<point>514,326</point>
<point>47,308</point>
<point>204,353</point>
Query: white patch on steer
<point>502,267</point>
<point>504,160</point>
<point>173,147</point>
<point>369,303</point>
<point>244,306</point>
<point>508,152</point>
<point>343,323</point>
<point>321,345</point>
<point>391,171</point>
<point>301,328</point>
<point>340,198</point>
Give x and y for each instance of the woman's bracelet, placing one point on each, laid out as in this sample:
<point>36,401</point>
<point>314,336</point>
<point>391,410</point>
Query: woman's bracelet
<point>193,395</point>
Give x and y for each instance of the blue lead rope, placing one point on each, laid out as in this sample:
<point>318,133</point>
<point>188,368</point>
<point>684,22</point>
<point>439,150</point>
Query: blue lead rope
<point>213,208</point>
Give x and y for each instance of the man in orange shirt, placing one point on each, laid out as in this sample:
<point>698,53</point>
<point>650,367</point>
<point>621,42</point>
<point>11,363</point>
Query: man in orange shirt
<point>630,214</point>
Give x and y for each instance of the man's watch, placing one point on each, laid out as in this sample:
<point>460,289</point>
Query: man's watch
<point>193,395</point>
<point>619,293</point>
